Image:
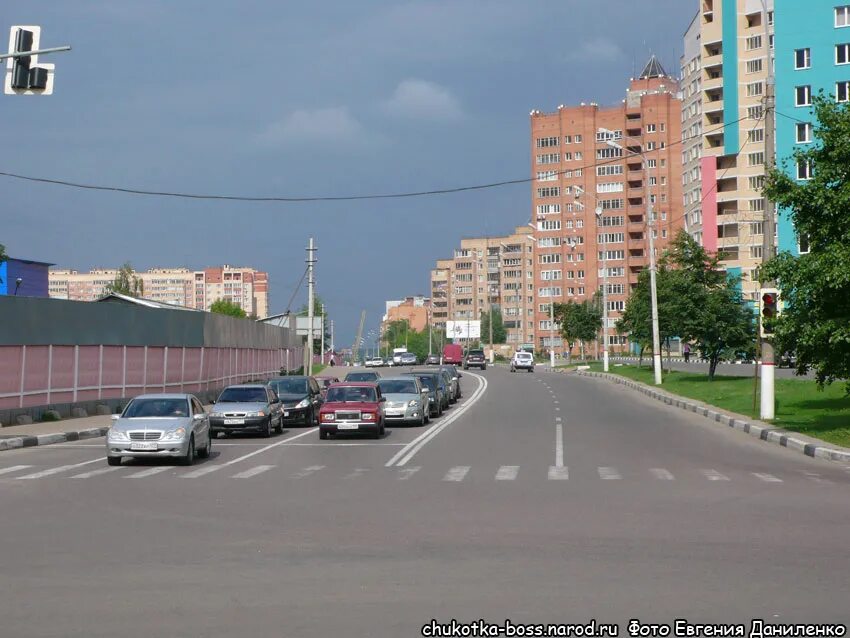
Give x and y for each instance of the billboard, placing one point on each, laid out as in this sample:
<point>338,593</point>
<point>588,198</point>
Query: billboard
<point>463,329</point>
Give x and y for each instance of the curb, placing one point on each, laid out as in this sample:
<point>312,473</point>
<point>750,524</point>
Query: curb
<point>757,429</point>
<point>16,442</point>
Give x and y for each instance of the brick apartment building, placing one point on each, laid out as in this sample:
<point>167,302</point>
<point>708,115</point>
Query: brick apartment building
<point>578,171</point>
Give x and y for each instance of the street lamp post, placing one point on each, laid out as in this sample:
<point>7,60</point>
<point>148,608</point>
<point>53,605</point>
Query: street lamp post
<point>600,227</point>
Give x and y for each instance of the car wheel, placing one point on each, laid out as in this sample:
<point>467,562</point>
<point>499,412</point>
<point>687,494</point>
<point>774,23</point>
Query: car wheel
<point>323,434</point>
<point>113,460</point>
<point>266,432</point>
<point>189,458</point>
<point>205,452</point>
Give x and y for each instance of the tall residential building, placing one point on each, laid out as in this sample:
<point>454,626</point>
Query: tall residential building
<point>414,310</point>
<point>735,45</point>
<point>178,286</point>
<point>691,70</point>
<point>488,272</point>
<point>812,55</point>
<point>587,157</point>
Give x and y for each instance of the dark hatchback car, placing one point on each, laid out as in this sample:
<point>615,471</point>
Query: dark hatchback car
<point>367,377</point>
<point>438,391</point>
<point>475,359</point>
<point>301,397</point>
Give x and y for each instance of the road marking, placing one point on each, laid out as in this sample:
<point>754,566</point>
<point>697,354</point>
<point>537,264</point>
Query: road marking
<point>457,473</point>
<point>268,447</point>
<point>307,471</point>
<point>661,474</point>
<point>405,473</point>
<point>557,409</point>
<point>253,471</point>
<point>149,472</point>
<point>507,473</point>
<point>609,473</point>
<point>767,478</point>
<point>341,444</point>
<point>817,478</point>
<point>57,470</point>
<point>410,450</point>
<point>103,470</point>
<point>201,472</point>
<point>14,468</point>
<point>357,473</point>
<point>714,475</point>
<point>558,473</point>
<point>559,444</point>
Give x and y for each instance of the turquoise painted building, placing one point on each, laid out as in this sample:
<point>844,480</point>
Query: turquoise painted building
<point>812,48</point>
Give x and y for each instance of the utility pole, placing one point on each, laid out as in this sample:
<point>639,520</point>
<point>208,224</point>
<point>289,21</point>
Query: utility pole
<point>552,331</point>
<point>656,339</point>
<point>489,298</point>
<point>332,337</point>
<point>768,361</point>
<point>311,282</point>
<point>322,347</point>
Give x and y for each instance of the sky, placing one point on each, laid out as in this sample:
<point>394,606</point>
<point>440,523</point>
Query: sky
<point>288,99</point>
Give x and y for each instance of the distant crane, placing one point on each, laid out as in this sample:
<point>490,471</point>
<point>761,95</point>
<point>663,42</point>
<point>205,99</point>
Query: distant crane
<point>355,349</point>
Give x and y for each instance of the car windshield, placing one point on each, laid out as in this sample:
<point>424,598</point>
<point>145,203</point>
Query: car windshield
<point>243,395</point>
<point>398,386</point>
<point>523,355</point>
<point>476,353</point>
<point>289,386</point>
<point>347,394</point>
<point>361,376</point>
<point>145,408</point>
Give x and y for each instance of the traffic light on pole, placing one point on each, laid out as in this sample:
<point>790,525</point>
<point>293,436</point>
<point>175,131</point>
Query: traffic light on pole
<point>24,75</point>
<point>769,311</point>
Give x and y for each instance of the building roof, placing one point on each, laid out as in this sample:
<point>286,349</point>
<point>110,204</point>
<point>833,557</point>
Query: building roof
<point>29,261</point>
<point>139,301</point>
<point>653,69</point>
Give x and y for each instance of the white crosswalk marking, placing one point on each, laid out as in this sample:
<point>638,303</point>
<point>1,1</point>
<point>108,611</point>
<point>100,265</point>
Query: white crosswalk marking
<point>57,470</point>
<point>507,473</point>
<point>357,473</point>
<point>406,473</point>
<point>767,478</point>
<point>609,473</point>
<point>253,471</point>
<point>714,475</point>
<point>149,472</point>
<point>661,473</point>
<point>817,478</point>
<point>14,468</point>
<point>457,473</point>
<point>103,470</point>
<point>201,472</point>
<point>307,471</point>
<point>558,473</point>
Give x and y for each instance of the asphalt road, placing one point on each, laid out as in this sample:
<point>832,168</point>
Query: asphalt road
<point>542,498</point>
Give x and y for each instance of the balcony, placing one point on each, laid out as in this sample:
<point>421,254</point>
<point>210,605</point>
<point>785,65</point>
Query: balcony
<point>636,221</point>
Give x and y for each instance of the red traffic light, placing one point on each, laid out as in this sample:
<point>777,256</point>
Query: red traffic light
<point>768,299</point>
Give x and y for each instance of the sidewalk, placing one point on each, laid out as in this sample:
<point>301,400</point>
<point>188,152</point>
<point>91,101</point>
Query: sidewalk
<point>18,436</point>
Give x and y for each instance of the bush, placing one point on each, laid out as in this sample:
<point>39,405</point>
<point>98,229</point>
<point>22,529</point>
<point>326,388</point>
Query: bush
<point>499,357</point>
<point>49,416</point>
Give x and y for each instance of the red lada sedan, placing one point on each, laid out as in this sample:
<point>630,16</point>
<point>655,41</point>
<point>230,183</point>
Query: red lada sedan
<point>352,407</point>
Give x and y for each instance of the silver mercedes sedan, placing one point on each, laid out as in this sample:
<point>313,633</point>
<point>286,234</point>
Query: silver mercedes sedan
<point>160,425</point>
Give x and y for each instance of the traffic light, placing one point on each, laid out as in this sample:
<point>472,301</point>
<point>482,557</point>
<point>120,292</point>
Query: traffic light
<point>769,311</point>
<point>24,76</point>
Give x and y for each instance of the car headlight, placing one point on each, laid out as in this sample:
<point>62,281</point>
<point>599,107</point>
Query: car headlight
<point>413,403</point>
<point>368,416</point>
<point>328,417</point>
<point>257,413</point>
<point>175,435</point>
<point>303,403</point>
<point>118,435</point>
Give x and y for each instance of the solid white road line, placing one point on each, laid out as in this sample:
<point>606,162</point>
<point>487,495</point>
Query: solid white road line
<point>714,475</point>
<point>149,472</point>
<point>307,471</point>
<point>207,469</point>
<point>767,478</point>
<point>103,470</point>
<point>404,474</point>
<point>268,447</point>
<point>409,451</point>
<point>558,473</point>
<point>609,473</point>
<point>14,468</point>
<point>507,473</point>
<point>661,474</point>
<point>253,471</point>
<point>559,444</point>
<point>57,470</point>
<point>341,444</point>
<point>457,473</point>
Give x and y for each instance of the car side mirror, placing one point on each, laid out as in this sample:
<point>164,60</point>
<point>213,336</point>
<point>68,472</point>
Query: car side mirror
<point>382,400</point>
<point>197,417</point>
<point>212,401</point>
<point>115,417</point>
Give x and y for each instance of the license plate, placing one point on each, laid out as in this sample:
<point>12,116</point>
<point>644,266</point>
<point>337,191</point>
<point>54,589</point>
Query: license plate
<point>347,426</point>
<point>285,413</point>
<point>143,447</point>
<point>234,421</point>
<point>395,413</point>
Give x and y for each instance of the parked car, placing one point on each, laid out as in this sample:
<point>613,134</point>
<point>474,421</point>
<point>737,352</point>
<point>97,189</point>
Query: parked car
<point>438,391</point>
<point>432,360</point>
<point>475,359</point>
<point>453,354</point>
<point>374,362</point>
<point>389,362</point>
<point>407,400</point>
<point>325,383</point>
<point>301,398</point>
<point>522,361</point>
<point>451,388</point>
<point>408,359</point>
<point>247,408</point>
<point>352,407</point>
<point>456,375</point>
<point>160,425</point>
<point>371,376</point>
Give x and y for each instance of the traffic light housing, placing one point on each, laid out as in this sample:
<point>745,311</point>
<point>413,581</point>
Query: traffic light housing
<point>769,310</point>
<point>24,75</point>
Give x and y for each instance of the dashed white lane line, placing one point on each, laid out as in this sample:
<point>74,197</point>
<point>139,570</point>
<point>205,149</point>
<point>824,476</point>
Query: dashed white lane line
<point>357,473</point>
<point>556,473</point>
<point>767,478</point>
<point>661,474</point>
<point>57,470</point>
<point>307,471</point>
<point>253,471</point>
<point>149,472</point>
<point>609,473</point>
<point>714,475</point>
<point>457,473</point>
<point>209,469</point>
<point>559,444</point>
<point>817,478</point>
<point>405,473</point>
<point>14,468</point>
<point>507,473</point>
<point>103,470</point>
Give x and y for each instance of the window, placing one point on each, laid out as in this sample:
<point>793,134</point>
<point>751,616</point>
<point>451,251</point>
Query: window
<point>803,244</point>
<point>581,274</point>
<point>616,271</point>
<point>756,182</point>
<point>755,159</point>
<point>608,153</point>
<point>610,187</point>
<point>578,155</point>
<point>650,146</point>
<point>568,157</point>
<point>568,139</point>
<point>804,133</point>
<point>804,169</point>
<point>545,242</point>
<point>754,66</point>
<point>802,59</point>
<point>550,191</point>
<point>611,204</point>
<point>547,176</point>
<point>755,205</point>
<point>755,112</point>
<point>842,92</point>
<point>550,275</point>
<point>549,158</point>
<point>577,172</point>
<point>842,16</point>
<point>609,169</point>
<point>614,289</point>
<point>753,42</point>
<point>757,228</point>
<point>842,53</point>
<point>616,306</point>
<point>650,128</point>
<point>755,135</point>
<point>755,89</point>
<point>616,220</point>
<point>577,139</point>
<point>611,238</point>
<point>547,142</point>
<point>611,254</point>
<point>580,224</point>
<point>651,163</point>
<point>755,252</point>
<point>552,258</point>
<point>550,292</point>
<point>550,224</point>
<point>803,96</point>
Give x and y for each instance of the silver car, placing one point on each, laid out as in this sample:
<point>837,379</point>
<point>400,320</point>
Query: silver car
<point>160,425</point>
<point>407,400</point>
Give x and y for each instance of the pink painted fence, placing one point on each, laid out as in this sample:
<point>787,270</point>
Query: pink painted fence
<point>43,375</point>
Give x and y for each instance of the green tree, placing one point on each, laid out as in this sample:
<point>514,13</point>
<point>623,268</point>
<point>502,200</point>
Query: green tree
<point>500,334</point>
<point>227,307</point>
<point>3,255</point>
<point>815,287</point>
<point>578,321</point>
<point>126,282</point>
